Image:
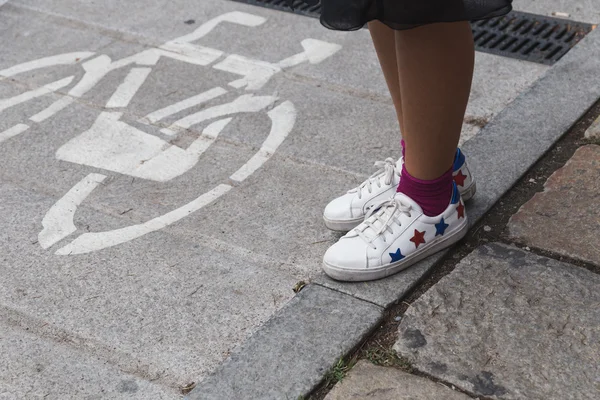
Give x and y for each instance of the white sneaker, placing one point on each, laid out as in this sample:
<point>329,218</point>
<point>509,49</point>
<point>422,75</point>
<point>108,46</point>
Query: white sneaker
<point>349,210</point>
<point>346,212</point>
<point>393,238</point>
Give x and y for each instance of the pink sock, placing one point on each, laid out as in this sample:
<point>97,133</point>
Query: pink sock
<point>403,147</point>
<point>433,196</point>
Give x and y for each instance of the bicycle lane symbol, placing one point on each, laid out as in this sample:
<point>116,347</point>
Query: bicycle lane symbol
<point>113,145</point>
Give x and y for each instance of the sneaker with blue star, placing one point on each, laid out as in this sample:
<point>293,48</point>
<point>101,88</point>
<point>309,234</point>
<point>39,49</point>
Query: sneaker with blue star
<point>395,235</point>
<point>346,212</point>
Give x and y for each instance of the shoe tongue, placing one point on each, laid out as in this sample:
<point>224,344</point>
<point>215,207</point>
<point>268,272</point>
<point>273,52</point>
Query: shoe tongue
<point>387,211</point>
<point>400,163</point>
<point>408,201</point>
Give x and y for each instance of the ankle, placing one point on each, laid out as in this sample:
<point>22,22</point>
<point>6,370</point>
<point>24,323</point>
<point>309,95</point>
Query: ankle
<point>433,196</point>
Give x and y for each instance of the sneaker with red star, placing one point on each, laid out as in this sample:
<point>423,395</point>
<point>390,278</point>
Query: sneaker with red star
<point>346,212</point>
<point>393,237</point>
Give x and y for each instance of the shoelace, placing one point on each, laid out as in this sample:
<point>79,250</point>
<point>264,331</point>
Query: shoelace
<point>386,170</point>
<point>380,218</point>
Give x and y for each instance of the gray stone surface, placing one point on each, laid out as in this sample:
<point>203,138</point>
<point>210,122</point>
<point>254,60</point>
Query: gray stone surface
<point>583,11</point>
<point>159,306</point>
<point>249,247</point>
<point>367,381</point>
<point>565,217</point>
<point>290,354</point>
<point>34,367</point>
<point>507,324</point>
<point>525,130</point>
<point>593,132</point>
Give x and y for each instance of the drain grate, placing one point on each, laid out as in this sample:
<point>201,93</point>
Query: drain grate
<point>528,36</point>
<point>518,35</point>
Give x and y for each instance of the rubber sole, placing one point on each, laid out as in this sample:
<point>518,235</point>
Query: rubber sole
<point>343,226</point>
<point>371,274</point>
<point>469,192</point>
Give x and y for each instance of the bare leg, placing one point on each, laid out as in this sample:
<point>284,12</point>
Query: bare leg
<point>435,69</point>
<point>385,46</point>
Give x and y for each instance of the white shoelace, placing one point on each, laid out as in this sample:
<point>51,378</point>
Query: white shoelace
<point>380,218</point>
<point>386,170</point>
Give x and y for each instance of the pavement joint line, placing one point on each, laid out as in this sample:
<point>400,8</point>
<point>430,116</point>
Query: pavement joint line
<point>550,254</point>
<point>124,361</point>
<point>518,118</point>
<point>346,294</point>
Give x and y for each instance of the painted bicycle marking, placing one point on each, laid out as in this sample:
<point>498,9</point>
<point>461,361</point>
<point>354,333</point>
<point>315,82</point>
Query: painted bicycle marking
<point>113,145</point>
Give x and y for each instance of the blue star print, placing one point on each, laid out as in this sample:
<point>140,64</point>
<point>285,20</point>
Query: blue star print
<point>441,228</point>
<point>397,256</point>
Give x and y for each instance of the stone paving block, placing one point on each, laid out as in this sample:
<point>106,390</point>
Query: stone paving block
<point>368,381</point>
<point>507,324</point>
<point>162,306</point>
<point>290,354</point>
<point>565,217</point>
<point>582,11</point>
<point>32,367</point>
<point>593,132</point>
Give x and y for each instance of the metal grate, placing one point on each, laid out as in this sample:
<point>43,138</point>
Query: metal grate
<point>518,35</point>
<point>528,36</point>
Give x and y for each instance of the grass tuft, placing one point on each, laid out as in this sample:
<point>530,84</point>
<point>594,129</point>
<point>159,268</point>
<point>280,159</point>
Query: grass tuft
<point>338,371</point>
<point>388,358</point>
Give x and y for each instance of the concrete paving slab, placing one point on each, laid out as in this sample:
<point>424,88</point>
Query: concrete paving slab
<point>581,11</point>
<point>508,324</point>
<point>565,217</point>
<point>160,307</point>
<point>302,341</point>
<point>368,381</point>
<point>32,367</point>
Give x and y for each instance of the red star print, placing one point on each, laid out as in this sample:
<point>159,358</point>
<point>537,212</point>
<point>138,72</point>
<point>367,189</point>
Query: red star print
<point>460,178</point>
<point>418,238</point>
<point>461,210</point>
